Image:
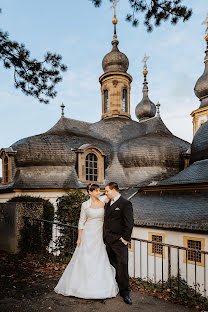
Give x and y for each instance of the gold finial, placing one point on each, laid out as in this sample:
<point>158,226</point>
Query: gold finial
<point>62,109</point>
<point>145,72</point>
<point>144,60</point>
<point>158,109</point>
<point>114,20</point>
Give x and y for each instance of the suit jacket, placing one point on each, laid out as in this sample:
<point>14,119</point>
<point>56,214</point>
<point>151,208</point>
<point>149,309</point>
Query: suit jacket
<point>118,220</point>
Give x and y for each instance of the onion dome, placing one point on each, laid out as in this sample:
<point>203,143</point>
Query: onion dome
<point>115,61</point>
<point>199,146</point>
<point>146,108</point>
<point>201,87</point>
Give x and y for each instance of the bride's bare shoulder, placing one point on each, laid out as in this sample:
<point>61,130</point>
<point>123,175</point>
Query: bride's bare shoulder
<point>86,203</point>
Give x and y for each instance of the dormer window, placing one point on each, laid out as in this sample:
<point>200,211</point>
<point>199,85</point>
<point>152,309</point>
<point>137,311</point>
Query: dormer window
<point>90,164</point>
<point>106,101</point>
<point>7,156</point>
<point>124,101</point>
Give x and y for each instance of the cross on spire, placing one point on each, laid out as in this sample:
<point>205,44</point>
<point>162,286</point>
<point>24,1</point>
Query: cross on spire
<point>115,2</point>
<point>144,60</point>
<point>115,21</point>
<point>205,22</point>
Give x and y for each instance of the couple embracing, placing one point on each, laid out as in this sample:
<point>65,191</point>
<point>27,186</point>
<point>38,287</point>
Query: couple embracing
<point>99,266</point>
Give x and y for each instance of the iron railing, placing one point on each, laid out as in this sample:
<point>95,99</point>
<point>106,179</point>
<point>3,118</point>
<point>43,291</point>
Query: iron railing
<point>50,238</point>
<point>150,264</point>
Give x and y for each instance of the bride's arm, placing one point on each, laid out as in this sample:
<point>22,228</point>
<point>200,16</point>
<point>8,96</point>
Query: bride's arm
<point>79,237</point>
<point>81,224</point>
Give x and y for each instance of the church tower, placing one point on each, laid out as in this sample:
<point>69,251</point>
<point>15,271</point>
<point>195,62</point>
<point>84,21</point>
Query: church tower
<point>146,108</point>
<point>200,115</point>
<point>115,82</point>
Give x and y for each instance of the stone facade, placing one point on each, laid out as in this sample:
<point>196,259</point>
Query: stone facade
<point>199,116</point>
<point>115,83</point>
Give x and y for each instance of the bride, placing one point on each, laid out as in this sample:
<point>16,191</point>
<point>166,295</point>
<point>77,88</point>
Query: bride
<point>89,274</point>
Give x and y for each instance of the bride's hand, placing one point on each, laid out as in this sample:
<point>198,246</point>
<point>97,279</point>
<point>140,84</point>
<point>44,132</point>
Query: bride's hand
<point>106,200</point>
<point>78,242</point>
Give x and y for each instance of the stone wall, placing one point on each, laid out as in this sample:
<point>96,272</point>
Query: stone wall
<point>11,222</point>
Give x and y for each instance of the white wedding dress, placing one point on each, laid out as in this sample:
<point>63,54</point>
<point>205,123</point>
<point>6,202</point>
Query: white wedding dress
<point>89,274</point>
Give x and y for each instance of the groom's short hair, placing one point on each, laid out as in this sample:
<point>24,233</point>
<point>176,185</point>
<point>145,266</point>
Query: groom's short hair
<point>113,185</point>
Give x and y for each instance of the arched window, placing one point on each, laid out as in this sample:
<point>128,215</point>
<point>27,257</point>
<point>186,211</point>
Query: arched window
<point>124,101</point>
<point>106,101</point>
<point>6,169</point>
<point>90,163</point>
<point>91,167</point>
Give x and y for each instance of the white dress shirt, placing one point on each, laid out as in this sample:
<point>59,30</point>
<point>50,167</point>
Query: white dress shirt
<point>113,200</point>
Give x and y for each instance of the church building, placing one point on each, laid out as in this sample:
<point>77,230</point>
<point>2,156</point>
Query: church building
<point>165,177</point>
<point>74,153</point>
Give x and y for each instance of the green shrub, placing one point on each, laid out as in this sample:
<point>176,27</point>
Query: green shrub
<point>68,212</point>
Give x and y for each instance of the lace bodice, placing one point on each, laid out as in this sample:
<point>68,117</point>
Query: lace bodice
<point>89,214</point>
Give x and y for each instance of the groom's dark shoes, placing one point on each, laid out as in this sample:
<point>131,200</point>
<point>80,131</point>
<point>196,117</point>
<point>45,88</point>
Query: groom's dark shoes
<point>127,299</point>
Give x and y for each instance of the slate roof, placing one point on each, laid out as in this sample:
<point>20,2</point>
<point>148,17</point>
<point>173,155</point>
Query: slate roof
<point>199,146</point>
<point>197,173</point>
<point>137,152</point>
<point>180,210</point>
<point>115,61</point>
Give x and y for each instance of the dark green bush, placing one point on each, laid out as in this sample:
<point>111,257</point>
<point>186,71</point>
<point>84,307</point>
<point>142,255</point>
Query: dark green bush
<point>68,212</point>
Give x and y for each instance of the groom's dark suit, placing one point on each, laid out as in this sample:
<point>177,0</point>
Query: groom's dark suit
<point>118,222</point>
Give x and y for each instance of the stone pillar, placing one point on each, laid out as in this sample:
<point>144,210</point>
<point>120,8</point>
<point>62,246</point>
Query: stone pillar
<point>12,222</point>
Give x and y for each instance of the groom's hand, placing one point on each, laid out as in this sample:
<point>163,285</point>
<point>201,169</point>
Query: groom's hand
<point>123,241</point>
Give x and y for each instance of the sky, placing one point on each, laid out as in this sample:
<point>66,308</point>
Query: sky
<point>82,34</point>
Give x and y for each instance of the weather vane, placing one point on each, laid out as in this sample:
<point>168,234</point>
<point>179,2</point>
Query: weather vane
<point>205,22</point>
<point>115,2</point>
<point>115,21</point>
<point>144,60</point>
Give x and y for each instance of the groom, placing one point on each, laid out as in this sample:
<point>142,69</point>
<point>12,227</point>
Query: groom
<point>117,228</point>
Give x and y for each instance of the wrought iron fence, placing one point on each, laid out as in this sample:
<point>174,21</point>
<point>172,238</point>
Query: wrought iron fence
<point>49,238</point>
<point>149,260</point>
<point>159,262</point>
